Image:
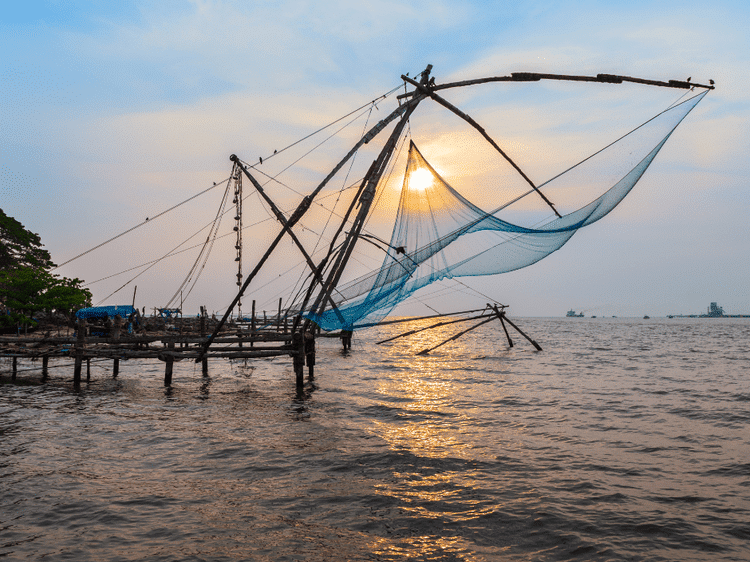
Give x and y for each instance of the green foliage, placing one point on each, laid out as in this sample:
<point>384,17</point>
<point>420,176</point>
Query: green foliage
<point>26,285</point>
<point>20,247</point>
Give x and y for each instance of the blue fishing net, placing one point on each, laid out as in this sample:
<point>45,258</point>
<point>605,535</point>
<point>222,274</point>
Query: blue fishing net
<point>439,234</point>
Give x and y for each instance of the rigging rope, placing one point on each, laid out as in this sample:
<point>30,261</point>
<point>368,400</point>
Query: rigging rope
<point>148,220</point>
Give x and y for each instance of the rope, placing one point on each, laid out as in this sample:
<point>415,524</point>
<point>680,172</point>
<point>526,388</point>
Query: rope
<point>139,225</point>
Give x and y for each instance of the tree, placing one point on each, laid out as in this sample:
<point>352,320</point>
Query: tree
<point>27,285</point>
<point>19,247</point>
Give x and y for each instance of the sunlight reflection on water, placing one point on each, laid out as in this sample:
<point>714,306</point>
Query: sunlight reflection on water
<point>623,439</point>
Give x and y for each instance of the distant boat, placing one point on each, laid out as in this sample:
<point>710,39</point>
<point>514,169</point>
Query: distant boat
<point>572,314</point>
<point>646,317</point>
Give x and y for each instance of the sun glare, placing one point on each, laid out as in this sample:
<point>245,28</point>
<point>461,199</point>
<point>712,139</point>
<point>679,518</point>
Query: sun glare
<point>420,179</point>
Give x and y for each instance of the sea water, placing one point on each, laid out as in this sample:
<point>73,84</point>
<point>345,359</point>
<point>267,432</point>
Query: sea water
<point>623,439</point>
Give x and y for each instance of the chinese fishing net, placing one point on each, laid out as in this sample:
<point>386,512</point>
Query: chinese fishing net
<point>435,233</point>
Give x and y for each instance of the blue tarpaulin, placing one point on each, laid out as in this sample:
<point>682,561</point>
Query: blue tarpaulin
<point>124,310</point>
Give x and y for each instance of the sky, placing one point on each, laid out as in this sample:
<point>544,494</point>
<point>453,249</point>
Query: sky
<point>111,112</point>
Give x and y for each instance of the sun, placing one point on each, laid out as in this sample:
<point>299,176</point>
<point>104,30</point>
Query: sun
<point>420,179</point>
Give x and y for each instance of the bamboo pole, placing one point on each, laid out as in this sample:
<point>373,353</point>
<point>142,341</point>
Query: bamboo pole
<point>534,77</point>
<point>80,343</point>
<point>505,329</point>
<point>502,315</point>
<point>417,330</point>
<point>456,336</point>
<point>365,201</point>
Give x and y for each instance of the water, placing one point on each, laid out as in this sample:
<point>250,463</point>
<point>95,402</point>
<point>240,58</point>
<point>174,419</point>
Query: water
<point>623,440</point>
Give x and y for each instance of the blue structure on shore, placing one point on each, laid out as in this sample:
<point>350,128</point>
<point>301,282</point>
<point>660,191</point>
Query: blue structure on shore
<point>101,317</point>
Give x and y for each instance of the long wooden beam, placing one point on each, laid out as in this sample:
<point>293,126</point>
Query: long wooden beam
<point>601,78</point>
<point>417,330</point>
<point>456,336</point>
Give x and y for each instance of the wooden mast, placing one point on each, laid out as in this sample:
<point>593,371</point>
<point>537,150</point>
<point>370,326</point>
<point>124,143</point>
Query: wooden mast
<point>406,108</point>
<point>365,199</point>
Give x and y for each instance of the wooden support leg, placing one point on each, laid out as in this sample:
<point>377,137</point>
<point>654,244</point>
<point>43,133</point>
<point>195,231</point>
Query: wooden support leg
<point>299,359</point>
<point>310,357</point>
<point>507,335</point>
<point>168,371</point>
<point>116,367</point>
<point>45,364</point>
<point>168,365</point>
<point>536,345</point>
<point>299,370</point>
<point>204,366</point>
<point>15,368</point>
<point>88,369</point>
<point>80,344</point>
<point>77,368</point>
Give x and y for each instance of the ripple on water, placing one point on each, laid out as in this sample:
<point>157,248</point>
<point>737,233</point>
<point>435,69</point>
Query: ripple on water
<point>622,440</point>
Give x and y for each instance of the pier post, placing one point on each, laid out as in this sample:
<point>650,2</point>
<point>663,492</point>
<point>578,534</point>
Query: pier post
<point>298,341</point>
<point>346,339</point>
<point>45,363</point>
<point>278,318</point>
<point>116,367</point>
<point>204,366</point>
<point>310,354</point>
<point>80,342</point>
<point>168,364</point>
<point>15,368</point>
<point>252,325</point>
<point>88,369</point>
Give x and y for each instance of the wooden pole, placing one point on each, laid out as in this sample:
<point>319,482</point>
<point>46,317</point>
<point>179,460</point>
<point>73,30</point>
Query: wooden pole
<point>298,341</point>
<point>536,345</point>
<point>456,336</point>
<point>204,366</point>
<point>116,367</point>
<point>501,315</point>
<point>88,369</point>
<point>505,329</point>
<point>310,354</point>
<point>278,318</point>
<point>80,343</point>
<point>602,78</point>
<point>287,224</point>
<point>15,368</point>
<point>252,325</point>
<point>168,365</point>
<point>368,187</point>
<point>45,364</point>
<point>417,330</point>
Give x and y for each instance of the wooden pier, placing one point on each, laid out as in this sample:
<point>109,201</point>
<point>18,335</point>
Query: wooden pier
<point>234,342</point>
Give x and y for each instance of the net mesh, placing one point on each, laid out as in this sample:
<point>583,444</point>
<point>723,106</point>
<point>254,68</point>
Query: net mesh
<point>439,234</point>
